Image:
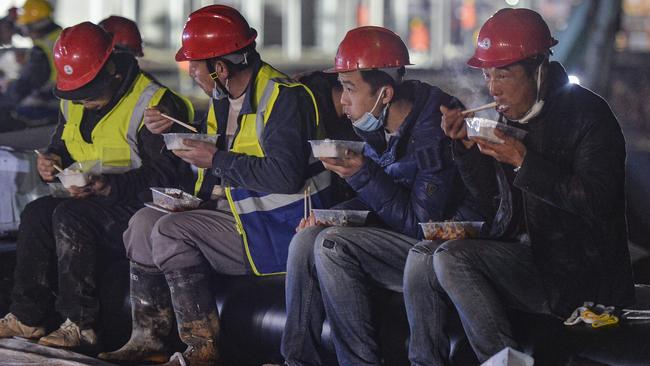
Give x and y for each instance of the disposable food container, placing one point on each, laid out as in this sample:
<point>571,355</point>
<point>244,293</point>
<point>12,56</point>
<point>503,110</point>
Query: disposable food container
<point>79,173</point>
<point>448,230</point>
<point>335,148</point>
<point>174,199</point>
<point>174,141</point>
<point>340,217</point>
<point>483,127</point>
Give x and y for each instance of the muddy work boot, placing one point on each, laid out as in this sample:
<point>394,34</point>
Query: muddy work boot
<point>10,326</point>
<point>69,335</point>
<point>153,317</point>
<point>196,316</point>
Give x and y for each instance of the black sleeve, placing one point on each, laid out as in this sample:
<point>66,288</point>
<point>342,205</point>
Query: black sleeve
<point>57,145</point>
<point>160,167</point>
<point>33,75</point>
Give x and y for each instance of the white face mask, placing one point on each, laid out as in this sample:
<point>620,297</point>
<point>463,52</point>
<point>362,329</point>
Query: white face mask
<point>368,122</point>
<point>537,107</point>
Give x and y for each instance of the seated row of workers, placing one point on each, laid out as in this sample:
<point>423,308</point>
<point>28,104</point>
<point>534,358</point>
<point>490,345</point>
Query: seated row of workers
<point>553,203</point>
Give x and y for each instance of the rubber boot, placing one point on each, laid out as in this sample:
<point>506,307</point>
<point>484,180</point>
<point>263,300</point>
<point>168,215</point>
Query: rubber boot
<point>152,319</point>
<point>196,316</point>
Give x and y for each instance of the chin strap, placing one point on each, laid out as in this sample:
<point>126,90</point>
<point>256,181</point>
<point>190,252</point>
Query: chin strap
<point>537,107</point>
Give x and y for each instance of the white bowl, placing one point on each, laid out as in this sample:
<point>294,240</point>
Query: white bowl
<point>483,127</point>
<point>174,141</point>
<point>335,148</point>
<point>79,173</point>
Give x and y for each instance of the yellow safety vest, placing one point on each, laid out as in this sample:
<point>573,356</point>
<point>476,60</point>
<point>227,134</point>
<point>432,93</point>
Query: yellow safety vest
<point>47,45</point>
<point>211,130</point>
<point>115,137</point>
<point>267,221</point>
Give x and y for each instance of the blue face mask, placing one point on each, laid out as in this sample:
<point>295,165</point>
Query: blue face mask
<point>368,122</point>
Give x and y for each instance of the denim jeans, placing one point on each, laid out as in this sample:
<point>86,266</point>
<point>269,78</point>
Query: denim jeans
<point>349,263</point>
<point>480,279</point>
<point>301,339</point>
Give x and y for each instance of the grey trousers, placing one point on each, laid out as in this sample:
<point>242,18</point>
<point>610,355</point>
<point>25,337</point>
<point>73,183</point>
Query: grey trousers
<point>185,239</point>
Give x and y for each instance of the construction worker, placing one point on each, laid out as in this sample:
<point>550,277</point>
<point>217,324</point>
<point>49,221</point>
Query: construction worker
<point>61,240</point>
<point>404,176</point>
<point>29,99</point>
<point>254,210</point>
<point>557,197</point>
<point>125,34</point>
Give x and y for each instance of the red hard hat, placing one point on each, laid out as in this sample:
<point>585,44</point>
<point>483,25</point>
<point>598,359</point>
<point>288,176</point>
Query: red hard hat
<point>511,35</point>
<point>213,31</point>
<point>79,54</point>
<point>370,47</point>
<point>125,33</point>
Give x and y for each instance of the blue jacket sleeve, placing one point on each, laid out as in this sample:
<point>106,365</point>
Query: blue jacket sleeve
<point>402,207</point>
<point>283,169</point>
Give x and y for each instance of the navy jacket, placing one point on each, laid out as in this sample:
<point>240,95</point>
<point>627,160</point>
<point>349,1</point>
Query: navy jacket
<point>412,177</point>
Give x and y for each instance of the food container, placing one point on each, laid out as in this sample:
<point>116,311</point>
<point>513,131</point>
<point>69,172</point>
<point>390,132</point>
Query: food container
<point>335,148</point>
<point>57,190</point>
<point>174,141</point>
<point>340,217</point>
<point>483,127</point>
<point>79,173</point>
<point>174,199</point>
<point>448,230</point>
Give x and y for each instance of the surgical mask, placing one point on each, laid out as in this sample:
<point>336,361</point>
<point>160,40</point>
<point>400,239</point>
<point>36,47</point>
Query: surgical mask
<point>537,107</point>
<point>368,122</point>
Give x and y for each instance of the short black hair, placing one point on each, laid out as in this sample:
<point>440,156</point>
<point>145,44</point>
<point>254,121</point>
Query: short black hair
<point>377,79</point>
<point>252,56</point>
<point>530,64</point>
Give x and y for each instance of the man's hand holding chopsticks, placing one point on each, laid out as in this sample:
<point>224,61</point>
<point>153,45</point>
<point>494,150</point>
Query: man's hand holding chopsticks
<point>155,122</point>
<point>45,166</point>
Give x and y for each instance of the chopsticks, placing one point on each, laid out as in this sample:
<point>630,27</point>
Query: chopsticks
<point>486,106</point>
<point>53,164</point>
<point>307,212</point>
<point>180,123</point>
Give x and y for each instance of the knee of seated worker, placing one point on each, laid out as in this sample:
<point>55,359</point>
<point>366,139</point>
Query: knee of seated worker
<point>301,248</point>
<point>419,266</point>
<point>447,259</point>
<point>74,210</point>
<point>37,210</point>
<point>331,246</point>
<point>172,226</point>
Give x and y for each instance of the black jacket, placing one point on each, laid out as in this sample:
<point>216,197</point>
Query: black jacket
<point>571,196</point>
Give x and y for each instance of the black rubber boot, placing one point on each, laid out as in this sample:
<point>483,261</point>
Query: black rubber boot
<point>152,315</point>
<point>196,316</point>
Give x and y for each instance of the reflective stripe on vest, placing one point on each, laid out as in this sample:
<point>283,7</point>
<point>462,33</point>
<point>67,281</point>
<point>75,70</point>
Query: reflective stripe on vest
<point>267,221</point>
<point>211,129</point>
<point>115,137</point>
<point>47,45</point>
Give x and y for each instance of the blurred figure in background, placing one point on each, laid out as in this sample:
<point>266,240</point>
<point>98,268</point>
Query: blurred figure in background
<point>29,101</point>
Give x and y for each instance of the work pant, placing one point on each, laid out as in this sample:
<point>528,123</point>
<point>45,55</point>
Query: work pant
<point>62,245</point>
<point>186,239</point>
<point>333,271</point>
<point>479,279</point>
